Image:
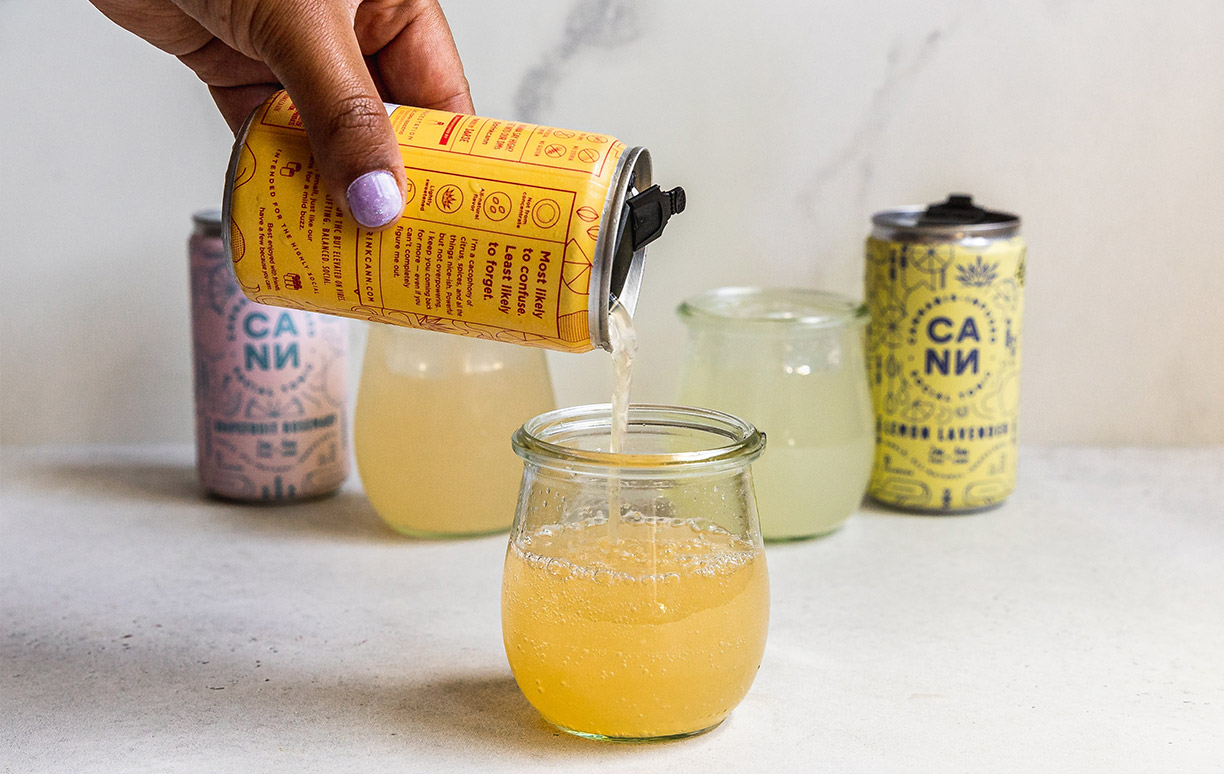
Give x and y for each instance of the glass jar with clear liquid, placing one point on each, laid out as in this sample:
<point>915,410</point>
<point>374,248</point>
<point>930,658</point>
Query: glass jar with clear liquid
<point>790,361</point>
<point>433,416</point>
<point>635,599</point>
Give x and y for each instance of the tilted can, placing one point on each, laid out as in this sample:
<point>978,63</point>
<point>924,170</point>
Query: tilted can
<point>271,386</point>
<point>945,287</point>
<point>510,231</point>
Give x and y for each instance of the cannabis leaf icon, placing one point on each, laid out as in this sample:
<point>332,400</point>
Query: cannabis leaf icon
<point>977,275</point>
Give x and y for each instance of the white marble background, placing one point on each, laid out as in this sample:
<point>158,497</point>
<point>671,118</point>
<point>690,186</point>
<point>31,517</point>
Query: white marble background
<point>788,122</point>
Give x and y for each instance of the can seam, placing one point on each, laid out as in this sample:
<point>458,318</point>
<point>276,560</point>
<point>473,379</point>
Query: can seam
<point>231,171</point>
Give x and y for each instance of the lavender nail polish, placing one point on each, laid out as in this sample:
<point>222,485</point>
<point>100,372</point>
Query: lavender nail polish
<point>374,199</point>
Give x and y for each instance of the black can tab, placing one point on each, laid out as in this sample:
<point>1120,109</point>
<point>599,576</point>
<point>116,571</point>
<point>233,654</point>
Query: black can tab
<point>648,213</point>
<point>959,210</point>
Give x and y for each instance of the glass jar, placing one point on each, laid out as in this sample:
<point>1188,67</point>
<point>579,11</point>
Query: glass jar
<point>791,362</point>
<point>635,599</point>
<point>432,418</point>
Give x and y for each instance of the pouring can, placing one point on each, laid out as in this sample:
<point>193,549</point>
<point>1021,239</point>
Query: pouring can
<point>511,231</point>
<point>945,288</point>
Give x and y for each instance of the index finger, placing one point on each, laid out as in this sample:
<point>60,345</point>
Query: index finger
<point>417,61</point>
<point>312,48</point>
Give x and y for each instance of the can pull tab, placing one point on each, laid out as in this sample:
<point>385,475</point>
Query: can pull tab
<point>959,210</point>
<point>649,211</point>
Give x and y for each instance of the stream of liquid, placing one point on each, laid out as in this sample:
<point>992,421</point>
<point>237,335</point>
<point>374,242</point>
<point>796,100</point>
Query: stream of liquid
<point>624,347</point>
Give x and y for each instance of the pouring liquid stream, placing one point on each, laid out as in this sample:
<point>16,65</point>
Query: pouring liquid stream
<point>624,347</point>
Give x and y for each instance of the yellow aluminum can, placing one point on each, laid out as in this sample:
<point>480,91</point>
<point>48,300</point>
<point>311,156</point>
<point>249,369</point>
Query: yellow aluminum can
<point>945,287</point>
<point>510,231</point>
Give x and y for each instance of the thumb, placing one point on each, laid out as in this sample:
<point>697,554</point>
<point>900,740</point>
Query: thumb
<point>312,48</point>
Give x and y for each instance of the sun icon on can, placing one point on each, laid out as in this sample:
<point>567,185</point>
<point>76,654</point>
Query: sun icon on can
<point>449,198</point>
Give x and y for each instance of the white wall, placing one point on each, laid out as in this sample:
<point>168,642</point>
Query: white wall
<point>788,123</point>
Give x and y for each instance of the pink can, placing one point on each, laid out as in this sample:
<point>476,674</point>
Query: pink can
<point>271,386</point>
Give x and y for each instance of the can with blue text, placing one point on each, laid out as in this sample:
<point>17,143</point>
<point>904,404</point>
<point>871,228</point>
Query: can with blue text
<point>270,386</point>
<point>945,287</point>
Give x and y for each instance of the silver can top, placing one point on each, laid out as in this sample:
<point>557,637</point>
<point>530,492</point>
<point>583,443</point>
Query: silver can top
<point>636,212</point>
<point>948,221</point>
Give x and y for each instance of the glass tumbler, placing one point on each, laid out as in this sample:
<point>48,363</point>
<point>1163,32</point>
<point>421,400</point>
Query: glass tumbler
<point>430,427</point>
<point>635,599</point>
<point>790,361</point>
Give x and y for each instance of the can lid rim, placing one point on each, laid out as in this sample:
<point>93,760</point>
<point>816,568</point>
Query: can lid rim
<point>903,221</point>
<point>634,171</point>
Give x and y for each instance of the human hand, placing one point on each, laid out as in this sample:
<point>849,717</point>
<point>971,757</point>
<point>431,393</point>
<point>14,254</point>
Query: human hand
<point>338,59</point>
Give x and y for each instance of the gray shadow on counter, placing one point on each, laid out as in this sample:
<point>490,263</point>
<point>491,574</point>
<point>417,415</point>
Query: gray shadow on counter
<point>487,710</point>
<point>460,716</point>
<point>141,481</point>
<point>84,688</point>
<point>346,515</point>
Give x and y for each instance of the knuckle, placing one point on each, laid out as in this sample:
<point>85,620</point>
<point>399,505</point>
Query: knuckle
<point>261,31</point>
<point>459,100</point>
<point>354,112</point>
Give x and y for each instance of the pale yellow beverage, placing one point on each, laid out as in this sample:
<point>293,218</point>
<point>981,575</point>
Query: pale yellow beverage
<point>657,633</point>
<point>786,475</point>
<point>821,441</point>
<point>433,421</point>
<point>791,362</point>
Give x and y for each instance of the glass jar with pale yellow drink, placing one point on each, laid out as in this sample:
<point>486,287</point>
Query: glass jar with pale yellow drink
<point>635,599</point>
<point>433,414</point>
<point>791,361</point>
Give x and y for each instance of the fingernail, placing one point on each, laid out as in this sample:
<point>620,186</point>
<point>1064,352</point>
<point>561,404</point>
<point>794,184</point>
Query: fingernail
<point>374,199</point>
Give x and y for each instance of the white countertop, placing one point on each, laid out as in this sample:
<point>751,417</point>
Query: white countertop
<point>1080,627</point>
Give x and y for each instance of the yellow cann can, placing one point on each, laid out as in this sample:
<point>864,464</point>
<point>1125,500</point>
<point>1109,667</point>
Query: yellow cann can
<point>945,286</point>
<point>510,231</point>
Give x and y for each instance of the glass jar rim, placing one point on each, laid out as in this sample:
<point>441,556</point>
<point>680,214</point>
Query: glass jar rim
<point>773,308</point>
<point>542,440</point>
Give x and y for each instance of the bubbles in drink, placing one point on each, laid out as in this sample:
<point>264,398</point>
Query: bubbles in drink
<point>657,633</point>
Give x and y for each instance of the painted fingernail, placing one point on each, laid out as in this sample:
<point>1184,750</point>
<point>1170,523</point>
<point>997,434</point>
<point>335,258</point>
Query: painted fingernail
<point>374,199</point>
